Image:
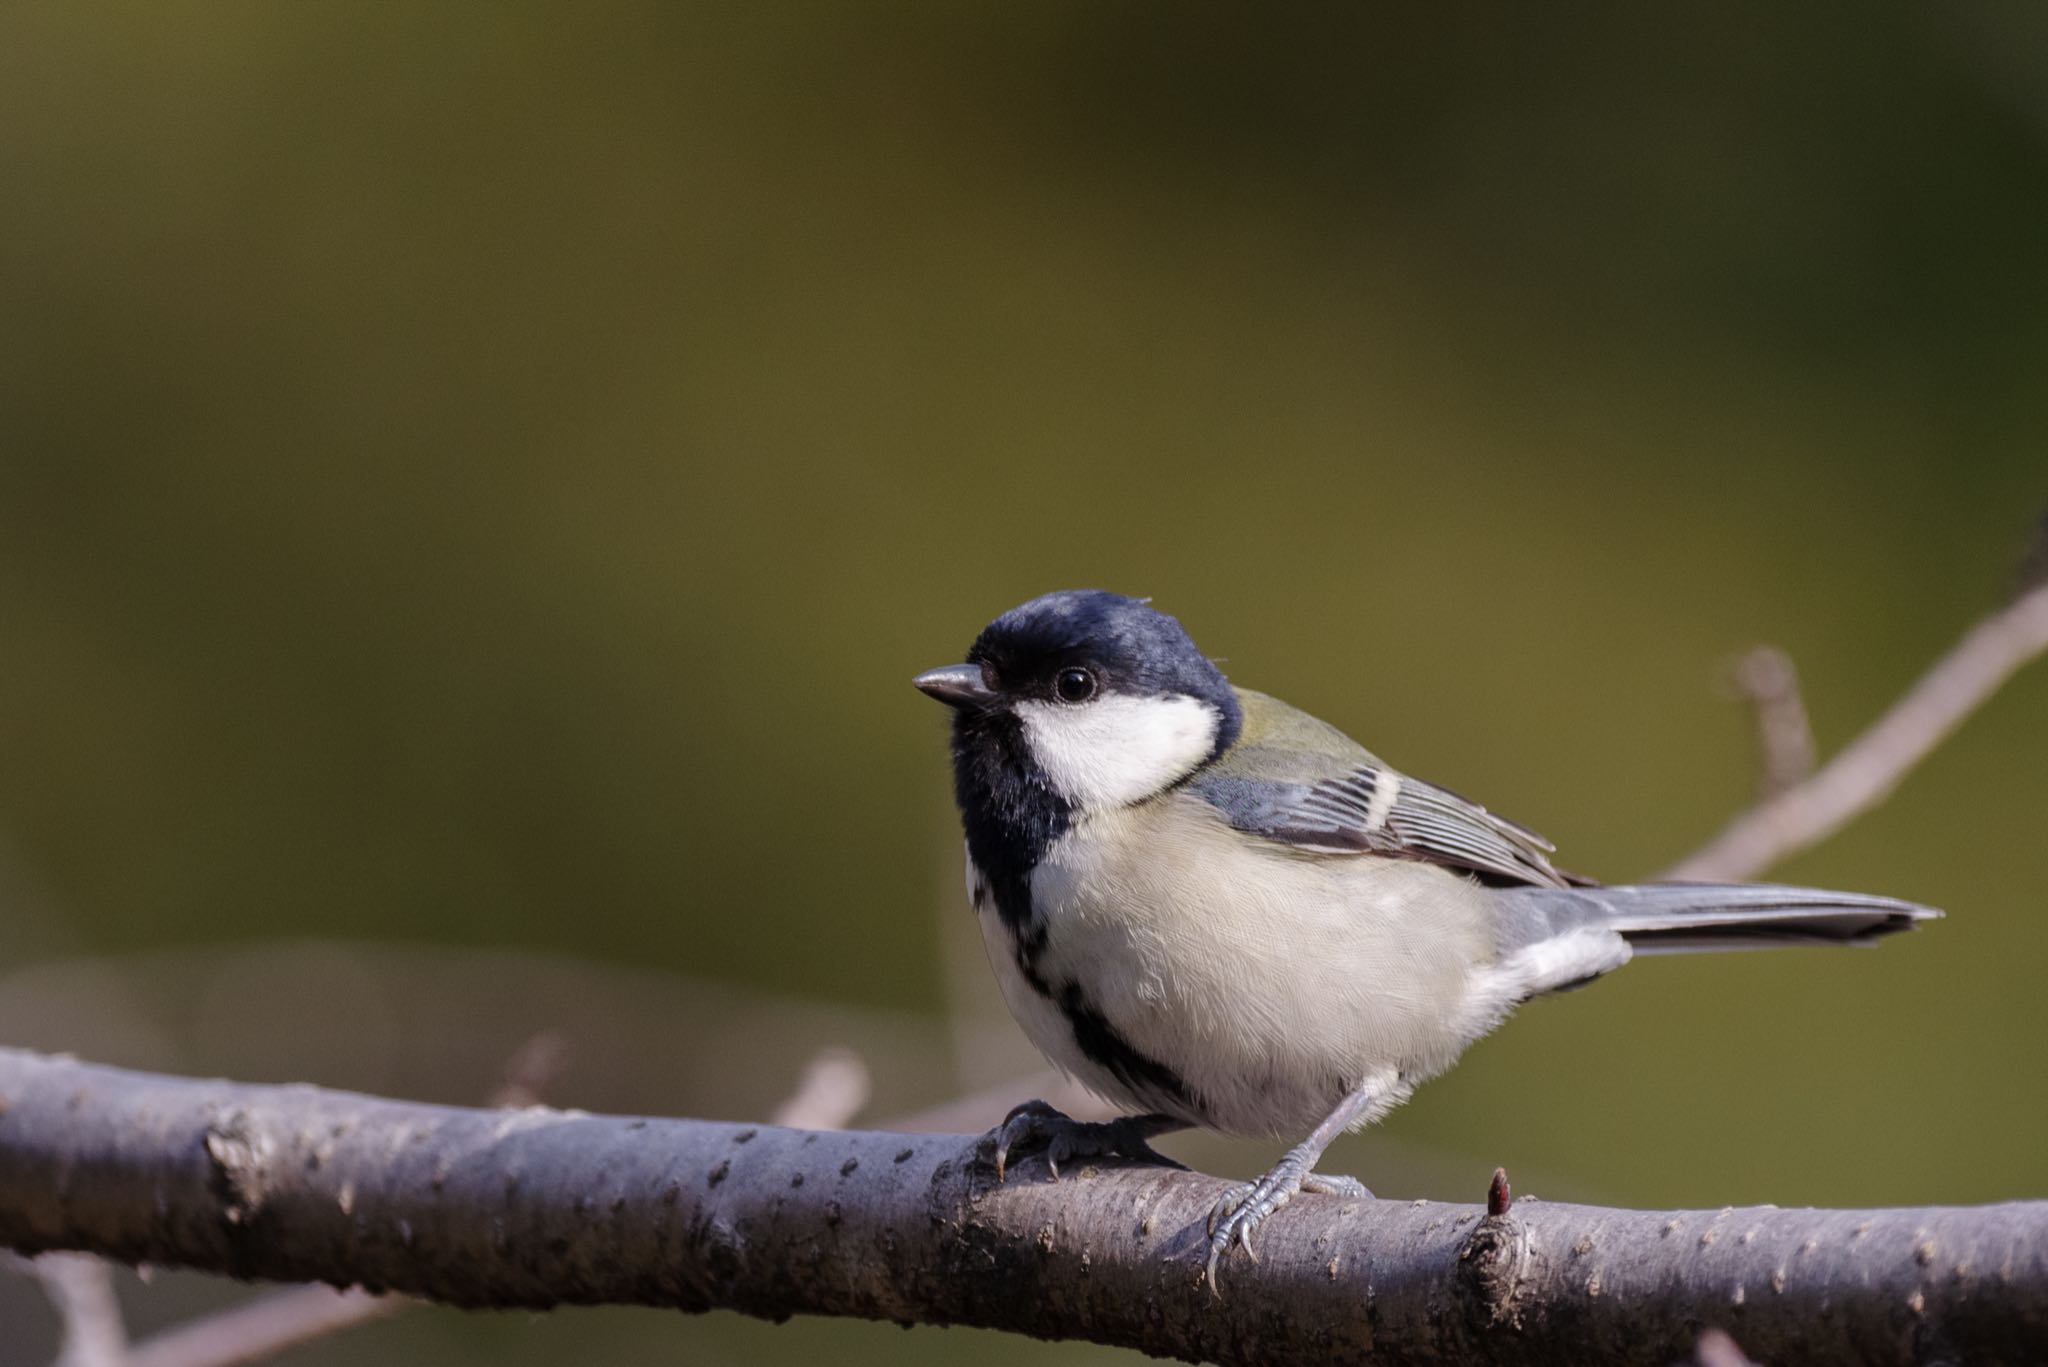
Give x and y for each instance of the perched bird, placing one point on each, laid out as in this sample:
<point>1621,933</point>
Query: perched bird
<point>1218,911</point>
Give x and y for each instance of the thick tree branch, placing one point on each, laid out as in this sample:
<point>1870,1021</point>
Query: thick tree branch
<point>537,1208</point>
<point>833,1088</point>
<point>1867,770</point>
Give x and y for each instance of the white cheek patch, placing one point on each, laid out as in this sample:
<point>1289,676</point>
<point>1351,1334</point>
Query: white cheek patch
<point>1117,750</point>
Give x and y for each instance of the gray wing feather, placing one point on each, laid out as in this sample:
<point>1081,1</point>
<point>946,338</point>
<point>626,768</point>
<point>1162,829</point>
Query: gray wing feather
<point>1372,809</point>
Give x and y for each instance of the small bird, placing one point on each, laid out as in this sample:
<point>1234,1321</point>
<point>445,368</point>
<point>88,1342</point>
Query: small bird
<point>1217,911</point>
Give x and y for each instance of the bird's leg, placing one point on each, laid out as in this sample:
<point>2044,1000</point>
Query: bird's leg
<point>1035,1125</point>
<point>1242,1209</point>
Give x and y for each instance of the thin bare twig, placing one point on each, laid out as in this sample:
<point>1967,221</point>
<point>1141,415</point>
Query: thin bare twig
<point>81,1289</point>
<point>1766,679</point>
<point>1870,767</point>
<point>1717,1349</point>
<point>264,1327</point>
<point>832,1090</point>
<point>532,1070</point>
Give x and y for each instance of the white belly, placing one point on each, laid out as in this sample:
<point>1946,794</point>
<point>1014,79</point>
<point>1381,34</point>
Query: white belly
<point>1270,982</point>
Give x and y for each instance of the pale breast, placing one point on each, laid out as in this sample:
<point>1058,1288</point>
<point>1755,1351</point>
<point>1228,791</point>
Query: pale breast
<point>1269,981</point>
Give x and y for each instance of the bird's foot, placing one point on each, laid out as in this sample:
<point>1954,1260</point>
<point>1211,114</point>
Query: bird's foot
<point>1035,1126</point>
<point>1242,1209</point>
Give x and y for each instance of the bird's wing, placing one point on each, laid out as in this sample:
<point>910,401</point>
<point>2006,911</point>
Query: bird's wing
<point>1297,780</point>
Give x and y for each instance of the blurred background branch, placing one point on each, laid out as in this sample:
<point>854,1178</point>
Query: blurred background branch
<point>262,1327</point>
<point>1867,770</point>
<point>832,1090</point>
<point>1767,680</point>
<point>81,1288</point>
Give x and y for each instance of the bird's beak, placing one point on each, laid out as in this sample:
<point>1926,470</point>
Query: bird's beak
<point>956,686</point>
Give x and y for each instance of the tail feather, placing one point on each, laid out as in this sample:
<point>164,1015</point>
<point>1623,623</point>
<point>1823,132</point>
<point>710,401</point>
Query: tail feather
<point>1678,917</point>
<point>1670,918</point>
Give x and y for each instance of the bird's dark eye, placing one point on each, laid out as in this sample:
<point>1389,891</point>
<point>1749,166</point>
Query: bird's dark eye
<point>1075,685</point>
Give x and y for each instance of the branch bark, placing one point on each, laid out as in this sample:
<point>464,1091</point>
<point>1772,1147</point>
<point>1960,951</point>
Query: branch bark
<point>833,1088</point>
<point>537,1207</point>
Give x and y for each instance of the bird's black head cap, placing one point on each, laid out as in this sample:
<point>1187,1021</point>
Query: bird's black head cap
<point>1131,647</point>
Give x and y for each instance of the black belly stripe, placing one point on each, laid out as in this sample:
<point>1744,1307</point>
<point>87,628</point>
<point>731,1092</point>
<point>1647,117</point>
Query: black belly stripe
<point>1099,1042</point>
<point>1104,1044</point>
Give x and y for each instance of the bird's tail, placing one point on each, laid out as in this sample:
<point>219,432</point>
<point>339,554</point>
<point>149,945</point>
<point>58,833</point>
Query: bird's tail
<point>1675,918</point>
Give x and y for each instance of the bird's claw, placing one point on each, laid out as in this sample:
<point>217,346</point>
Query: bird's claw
<point>1020,1126</point>
<point>1239,1212</point>
<point>1035,1125</point>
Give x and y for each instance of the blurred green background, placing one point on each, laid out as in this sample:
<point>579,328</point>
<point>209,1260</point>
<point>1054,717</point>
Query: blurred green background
<point>475,481</point>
